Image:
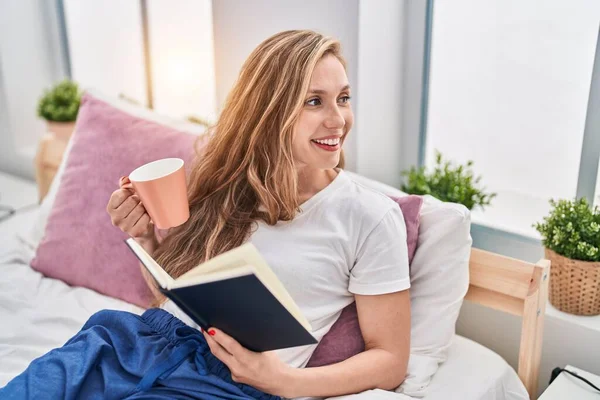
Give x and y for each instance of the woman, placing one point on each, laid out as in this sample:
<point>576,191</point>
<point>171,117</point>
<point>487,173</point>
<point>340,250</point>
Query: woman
<point>272,174</point>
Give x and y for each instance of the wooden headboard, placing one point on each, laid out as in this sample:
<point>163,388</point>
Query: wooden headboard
<point>519,288</point>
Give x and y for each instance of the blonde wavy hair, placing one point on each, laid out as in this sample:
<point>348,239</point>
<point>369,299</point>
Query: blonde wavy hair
<point>246,172</point>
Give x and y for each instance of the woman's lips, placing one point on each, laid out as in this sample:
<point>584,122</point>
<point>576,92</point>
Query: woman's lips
<point>327,147</point>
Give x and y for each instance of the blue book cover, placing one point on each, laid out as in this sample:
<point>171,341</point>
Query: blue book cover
<point>238,293</point>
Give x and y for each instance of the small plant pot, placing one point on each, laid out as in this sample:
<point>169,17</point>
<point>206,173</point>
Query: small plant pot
<point>574,284</point>
<point>61,130</point>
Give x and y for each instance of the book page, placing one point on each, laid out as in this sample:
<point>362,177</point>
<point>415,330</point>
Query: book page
<point>247,254</point>
<point>159,274</point>
<point>216,276</point>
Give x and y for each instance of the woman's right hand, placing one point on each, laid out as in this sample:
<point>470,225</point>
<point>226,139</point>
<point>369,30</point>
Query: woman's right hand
<point>128,213</point>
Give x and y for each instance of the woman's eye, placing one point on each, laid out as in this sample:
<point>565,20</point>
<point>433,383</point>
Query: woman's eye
<point>317,102</point>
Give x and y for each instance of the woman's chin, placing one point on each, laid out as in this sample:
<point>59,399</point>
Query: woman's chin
<point>330,164</point>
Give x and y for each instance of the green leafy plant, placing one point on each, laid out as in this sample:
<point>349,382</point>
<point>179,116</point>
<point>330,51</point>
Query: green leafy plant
<point>447,182</point>
<point>572,229</point>
<point>60,103</point>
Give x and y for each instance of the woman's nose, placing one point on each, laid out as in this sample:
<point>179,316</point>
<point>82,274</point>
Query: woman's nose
<point>335,119</point>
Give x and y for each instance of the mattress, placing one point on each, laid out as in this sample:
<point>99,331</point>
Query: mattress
<point>38,314</point>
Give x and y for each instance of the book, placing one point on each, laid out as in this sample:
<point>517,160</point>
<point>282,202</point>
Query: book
<point>238,293</point>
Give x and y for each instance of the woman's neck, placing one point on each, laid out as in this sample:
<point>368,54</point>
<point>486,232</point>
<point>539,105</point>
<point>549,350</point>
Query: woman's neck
<point>312,181</point>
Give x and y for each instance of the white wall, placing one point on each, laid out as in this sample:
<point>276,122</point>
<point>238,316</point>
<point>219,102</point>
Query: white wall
<point>30,61</point>
<point>379,99</point>
<point>414,25</point>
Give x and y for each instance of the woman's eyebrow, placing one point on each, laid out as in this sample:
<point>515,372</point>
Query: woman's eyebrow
<point>321,91</point>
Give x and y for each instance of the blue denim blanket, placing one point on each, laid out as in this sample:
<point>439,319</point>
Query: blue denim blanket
<point>120,355</point>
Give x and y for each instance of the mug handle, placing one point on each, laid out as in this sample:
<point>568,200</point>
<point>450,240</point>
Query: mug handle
<point>125,183</point>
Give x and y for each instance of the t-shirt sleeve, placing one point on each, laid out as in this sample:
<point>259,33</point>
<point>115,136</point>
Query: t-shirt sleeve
<point>382,261</point>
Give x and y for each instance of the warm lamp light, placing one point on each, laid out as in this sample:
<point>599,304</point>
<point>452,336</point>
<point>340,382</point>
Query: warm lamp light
<point>179,59</point>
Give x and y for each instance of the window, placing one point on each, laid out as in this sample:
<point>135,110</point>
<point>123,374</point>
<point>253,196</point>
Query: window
<point>107,51</point>
<point>106,47</point>
<point>509,86</point>
<point>30,61</point>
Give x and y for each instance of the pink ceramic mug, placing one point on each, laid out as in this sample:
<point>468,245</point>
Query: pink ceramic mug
<point>162,189</point>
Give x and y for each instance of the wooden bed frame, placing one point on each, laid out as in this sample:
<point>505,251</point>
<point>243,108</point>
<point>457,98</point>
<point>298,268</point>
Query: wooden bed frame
<point>519,288</point>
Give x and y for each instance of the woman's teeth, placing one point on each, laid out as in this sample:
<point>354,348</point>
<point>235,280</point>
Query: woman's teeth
<point>329,142</point>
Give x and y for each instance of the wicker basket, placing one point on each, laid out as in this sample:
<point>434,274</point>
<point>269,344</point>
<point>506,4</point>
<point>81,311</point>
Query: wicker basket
<point>574,285</point>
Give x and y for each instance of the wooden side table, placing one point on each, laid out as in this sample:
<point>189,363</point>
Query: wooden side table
<point>47,159</point>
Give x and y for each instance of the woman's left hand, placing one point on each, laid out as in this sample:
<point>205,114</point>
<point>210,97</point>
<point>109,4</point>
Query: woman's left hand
<point>263,371</point>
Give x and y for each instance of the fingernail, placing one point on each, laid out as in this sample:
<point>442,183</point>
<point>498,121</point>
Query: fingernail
<point>211,332</point>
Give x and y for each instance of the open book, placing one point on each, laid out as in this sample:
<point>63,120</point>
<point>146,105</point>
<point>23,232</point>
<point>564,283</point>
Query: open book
<point>238,293</point>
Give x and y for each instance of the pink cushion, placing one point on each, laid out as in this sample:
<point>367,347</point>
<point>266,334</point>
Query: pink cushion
<point>80,246</point>
<point>344,339</point>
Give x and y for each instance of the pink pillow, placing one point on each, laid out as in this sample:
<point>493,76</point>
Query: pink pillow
<point>344,339</point>
<point>80,246</point>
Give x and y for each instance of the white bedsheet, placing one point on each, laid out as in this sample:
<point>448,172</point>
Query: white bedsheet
<point>38,314</point>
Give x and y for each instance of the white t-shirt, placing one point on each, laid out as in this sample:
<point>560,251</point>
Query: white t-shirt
<point>348,239</point>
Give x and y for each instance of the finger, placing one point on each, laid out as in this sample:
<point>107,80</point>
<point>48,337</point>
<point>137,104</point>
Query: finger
<point>118,197</point>
<point>142,226</point>
<point>125,182</point>
<point>121,213</point>
<point>218,351</point>
<point>230,344</point>
<point>134,216</point>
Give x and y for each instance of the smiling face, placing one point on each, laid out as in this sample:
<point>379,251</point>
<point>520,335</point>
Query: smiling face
<point>325,119</point>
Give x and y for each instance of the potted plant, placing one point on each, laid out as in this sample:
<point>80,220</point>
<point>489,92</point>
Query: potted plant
<point>59,107</point>
<point>447,182</point>
<point>571,239</point>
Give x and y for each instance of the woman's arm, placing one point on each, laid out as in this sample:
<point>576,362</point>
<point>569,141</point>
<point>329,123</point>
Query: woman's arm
<point>385,325</point>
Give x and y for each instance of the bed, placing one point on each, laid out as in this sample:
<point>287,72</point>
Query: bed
<point>40,313</point>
